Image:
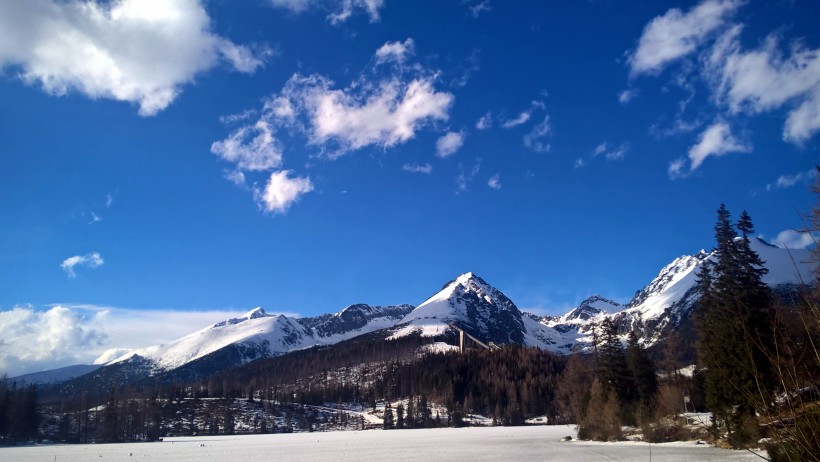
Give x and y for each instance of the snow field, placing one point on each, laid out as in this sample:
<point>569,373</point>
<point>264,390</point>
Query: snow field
<point>457,444</point>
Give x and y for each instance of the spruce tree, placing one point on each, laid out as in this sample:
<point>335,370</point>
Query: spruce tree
<point>400,416</point>
<point>614,372</point>
<point>643,372</point>
<point>734,318</point>
<point>388,417</point>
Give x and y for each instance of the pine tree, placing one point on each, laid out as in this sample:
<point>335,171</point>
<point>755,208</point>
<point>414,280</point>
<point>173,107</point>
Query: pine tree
<point>400,416</point>
<point>388,417</point>
<point>643,372</point>
<point>614,372</point>
<point>734,318</point>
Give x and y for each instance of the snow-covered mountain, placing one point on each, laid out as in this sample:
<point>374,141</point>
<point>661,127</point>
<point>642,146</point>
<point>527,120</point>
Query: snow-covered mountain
<point>469,303</point>
<point>667,301</point>
<point>481,310</point>
<point>258,334</point>
<point>55,375</point>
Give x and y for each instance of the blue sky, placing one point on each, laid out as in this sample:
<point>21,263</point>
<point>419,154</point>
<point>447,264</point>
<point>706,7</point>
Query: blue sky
<point>187,159</point>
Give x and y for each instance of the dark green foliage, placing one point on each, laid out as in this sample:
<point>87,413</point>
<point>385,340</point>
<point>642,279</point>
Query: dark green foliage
<point>614,372</point>
<point>400,416</point>
<point>734,319</point>
<point>388,417</point>
<point>19,412</point>
<point>519,381</point>
<point>643,373</point>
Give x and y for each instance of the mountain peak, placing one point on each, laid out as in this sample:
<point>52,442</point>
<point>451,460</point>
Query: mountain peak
<point>257,312</point>
<point>473,305</point>
<point>593,306</point>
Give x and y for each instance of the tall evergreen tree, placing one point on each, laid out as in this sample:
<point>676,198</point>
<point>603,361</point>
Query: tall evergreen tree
<point>614,372</point>
<point>400,416</point>
<point>643,372</point>
<point>388,417</point>
<point>734,318</point>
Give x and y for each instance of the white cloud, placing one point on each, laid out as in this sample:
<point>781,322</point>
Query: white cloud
<point>395,51</point>
<point>676,34</point>
<point>340,10</point>
<point>522,118</point>
<point>626,96</point>
<point>764,79</point>
<point>418,168</point>
<point>91,260</point>
<point>139,51</point>
<point>787,181</point>
<point>466,176</point>
<point>536,139</point>
<point>579,163</point>
<point>383,112</point>
<point>94,218</point>
<point>610,154</point>
<point>448,144</point>
<point>348,7</point>
<point>296,6</point>
<point>38,340</point>
<point>109,199</point>
<point>717,140</point>
<point>251,147</point>
<point>281,191</point>
<point>485,122</point>
<point>495,181</point>
<point>676,169</point>
<point>236,177</point>
<point>679,126</point>
<point>34,340</point>
<point>791,239</point>
<point>479,7</point>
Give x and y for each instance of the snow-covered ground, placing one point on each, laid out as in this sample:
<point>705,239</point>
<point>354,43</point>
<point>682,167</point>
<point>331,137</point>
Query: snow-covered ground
<point>541,443</point>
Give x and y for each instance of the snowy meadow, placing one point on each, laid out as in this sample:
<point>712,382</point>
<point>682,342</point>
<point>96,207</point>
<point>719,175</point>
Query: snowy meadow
<point>543,443</point>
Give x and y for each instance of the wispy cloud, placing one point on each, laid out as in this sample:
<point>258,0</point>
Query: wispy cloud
<point>465,176</point>
<point>794,239</point>
<point>338,11</point>
<point>521,119</point>
<point>625,96</point>
<point>717,140</point>
<point>425,168</point>
<point>485,122</point>
<point>91,260</point>
<point>676,34</point>
<point>129,50</point>
<point>787,181</point>
<point>537,138</point>
<point>449,144</point>
<point>495,181</point>
<point>378,109</point>
<point>395,51</point>
<point>765,79</point>
<point>606,151</point>
<point>477,7</point>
